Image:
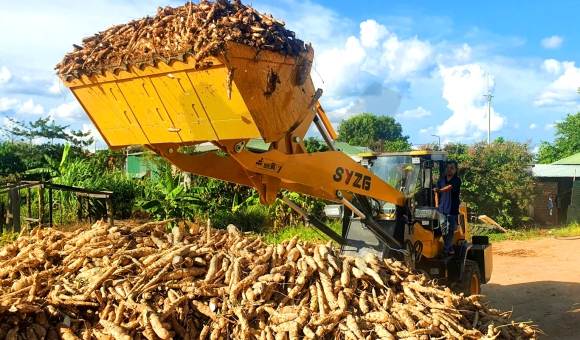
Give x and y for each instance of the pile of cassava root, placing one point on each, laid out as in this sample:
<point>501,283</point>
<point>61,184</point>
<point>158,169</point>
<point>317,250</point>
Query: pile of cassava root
<point>199,30</point>
<point>142,282</point>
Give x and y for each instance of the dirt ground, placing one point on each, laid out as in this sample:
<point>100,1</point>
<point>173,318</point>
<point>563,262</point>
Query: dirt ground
<point>540,281</point>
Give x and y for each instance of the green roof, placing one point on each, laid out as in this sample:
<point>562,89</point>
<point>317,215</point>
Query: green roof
<point>349,149</point>
<point>258,144</point>
<point>571,160</point>
<point>556,170</point>
<point>342,146</point>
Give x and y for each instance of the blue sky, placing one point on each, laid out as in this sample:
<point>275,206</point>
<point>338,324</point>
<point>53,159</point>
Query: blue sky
<point>422,62</point>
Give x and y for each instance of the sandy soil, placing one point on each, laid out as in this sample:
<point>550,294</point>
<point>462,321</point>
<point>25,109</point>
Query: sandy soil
<point>540,281</point>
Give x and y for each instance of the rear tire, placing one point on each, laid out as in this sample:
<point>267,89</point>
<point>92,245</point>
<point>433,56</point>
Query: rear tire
<point>471,282</point>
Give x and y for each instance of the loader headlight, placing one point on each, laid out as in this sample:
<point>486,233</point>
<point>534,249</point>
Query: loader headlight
<point>426,213</point>
<point>333,211</point>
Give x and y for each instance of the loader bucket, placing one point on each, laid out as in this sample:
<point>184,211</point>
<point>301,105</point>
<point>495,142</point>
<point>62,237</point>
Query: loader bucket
<point>242,94</point>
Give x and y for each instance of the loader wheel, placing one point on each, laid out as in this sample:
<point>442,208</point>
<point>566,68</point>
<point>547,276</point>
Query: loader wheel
<point>471,283</point>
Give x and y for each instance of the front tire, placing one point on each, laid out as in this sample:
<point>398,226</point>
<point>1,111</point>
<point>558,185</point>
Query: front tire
<point>471,281</point>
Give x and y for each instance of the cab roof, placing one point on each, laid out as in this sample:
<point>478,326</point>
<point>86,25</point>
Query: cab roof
<point>407,153</point>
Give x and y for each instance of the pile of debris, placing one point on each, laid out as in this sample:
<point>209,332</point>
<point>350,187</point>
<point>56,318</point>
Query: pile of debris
<point>199,30</point>
<point>128,282</point>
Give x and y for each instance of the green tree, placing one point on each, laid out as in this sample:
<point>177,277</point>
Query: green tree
<point>495,181</point>
<point>566,143</point>
<point>429,147</point>
<point>399,145</point>
<point>10,162</point>
<point>366,128</point>
<point>458,152</point>
<point>47,128</point>
<point>314,144</point>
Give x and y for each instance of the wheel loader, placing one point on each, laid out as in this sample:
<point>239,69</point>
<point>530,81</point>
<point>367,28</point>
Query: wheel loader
<point>173,104</point>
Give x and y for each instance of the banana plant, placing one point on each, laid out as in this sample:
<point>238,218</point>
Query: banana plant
<point>53,169</point>
<point>254,199</point>
<point>172,200</point>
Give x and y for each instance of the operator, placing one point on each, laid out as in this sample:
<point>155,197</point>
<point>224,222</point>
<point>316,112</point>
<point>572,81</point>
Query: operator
<point>403,181</point>
<point>448,188</point>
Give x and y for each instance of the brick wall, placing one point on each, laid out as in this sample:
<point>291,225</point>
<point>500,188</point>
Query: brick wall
<point>541,209</point>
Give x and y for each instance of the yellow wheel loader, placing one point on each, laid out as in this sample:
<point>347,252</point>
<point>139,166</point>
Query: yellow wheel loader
<point>415,225</point>
<point>171,104</point>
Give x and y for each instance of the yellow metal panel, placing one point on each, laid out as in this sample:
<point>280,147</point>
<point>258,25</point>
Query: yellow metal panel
<point>366,154</point>
<point>278,113</point>
<point>419,153</point>
<point>108,110</point>
<point>230,118</point>
<point>179,97</point>
<point>431,245</point>
<point>143,100</point>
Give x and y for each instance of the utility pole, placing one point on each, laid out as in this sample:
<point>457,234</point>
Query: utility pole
<point>488,96</point>
<point>438,141</point>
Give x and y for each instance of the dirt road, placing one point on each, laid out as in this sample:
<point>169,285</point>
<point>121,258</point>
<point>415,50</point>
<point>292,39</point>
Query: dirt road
<point>540,281</point>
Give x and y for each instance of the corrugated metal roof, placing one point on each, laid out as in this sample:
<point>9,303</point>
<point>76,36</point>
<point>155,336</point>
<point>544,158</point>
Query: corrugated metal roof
<point>347,148</point>
<point>574,159</point>
<point>555,170</point>
<point>259,144</point>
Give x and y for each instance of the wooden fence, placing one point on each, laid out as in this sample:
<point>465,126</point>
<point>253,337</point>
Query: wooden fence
<point>10,211</point>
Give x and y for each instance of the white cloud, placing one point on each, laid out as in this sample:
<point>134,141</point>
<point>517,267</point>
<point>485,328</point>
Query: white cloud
<point>28,107</point>
<point>463,88</point>
<point>55,88</point>
<point>8,104</point>
<point>404,57</point>
<point>337,66</point>
<point>549,126</point>
<point>354,107</point>
<point>416,113</point>
<point>552,42</point>
<point>4,75</point>
<point>371,33</point>
<point>69,112</point>
<point>462,54</point>
<point>555,67</point>
<point>564,90</point>
<point>533,126</point>
<point>375,54</point>
<point>516,125</point>
<point>377,99</point>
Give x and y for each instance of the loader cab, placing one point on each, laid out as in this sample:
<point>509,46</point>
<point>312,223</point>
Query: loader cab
<point>415,175</point>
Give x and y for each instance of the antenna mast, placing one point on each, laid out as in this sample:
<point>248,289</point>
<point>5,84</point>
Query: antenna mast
<point>488,96</point>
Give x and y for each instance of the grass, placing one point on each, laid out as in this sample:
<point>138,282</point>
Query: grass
<point>310,234</point>
<point>7,237</point>
<point>572,230</point>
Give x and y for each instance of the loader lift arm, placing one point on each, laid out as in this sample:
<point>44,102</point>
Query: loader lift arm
<point>329,175</point>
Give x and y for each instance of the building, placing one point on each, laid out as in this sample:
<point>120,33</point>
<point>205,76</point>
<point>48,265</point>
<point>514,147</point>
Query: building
<point>558,188</point>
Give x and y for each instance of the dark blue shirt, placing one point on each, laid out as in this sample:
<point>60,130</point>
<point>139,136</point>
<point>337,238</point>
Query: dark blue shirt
<point>449,200</point>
